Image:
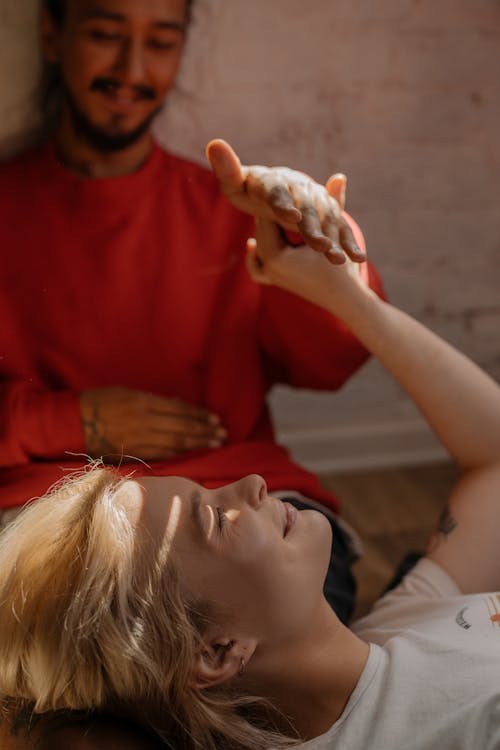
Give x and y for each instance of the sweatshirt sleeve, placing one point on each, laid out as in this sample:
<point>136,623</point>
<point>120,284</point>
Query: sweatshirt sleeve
<point>37,424</point>
<point>306,346</point>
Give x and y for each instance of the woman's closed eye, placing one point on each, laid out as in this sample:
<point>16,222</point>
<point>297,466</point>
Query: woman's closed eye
<point>221,517</point>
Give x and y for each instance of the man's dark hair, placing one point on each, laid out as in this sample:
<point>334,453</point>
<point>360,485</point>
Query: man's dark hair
<point>57,8</point>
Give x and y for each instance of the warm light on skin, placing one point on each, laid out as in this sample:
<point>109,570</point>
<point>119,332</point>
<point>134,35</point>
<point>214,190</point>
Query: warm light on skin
<point>211,526</point>
<point>265,587</point>
<point>171,528</point>
<point>130,498</point>
<point>173,520</point>
<point>161,526</point>
<point>230,548</point>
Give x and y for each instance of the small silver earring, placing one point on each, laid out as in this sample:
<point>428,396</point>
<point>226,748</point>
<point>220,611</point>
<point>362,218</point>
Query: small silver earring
<point>241,670</point>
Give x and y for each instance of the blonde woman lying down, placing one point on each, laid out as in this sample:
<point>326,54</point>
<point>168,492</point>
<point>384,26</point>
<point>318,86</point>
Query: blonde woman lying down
<point>200,612</point>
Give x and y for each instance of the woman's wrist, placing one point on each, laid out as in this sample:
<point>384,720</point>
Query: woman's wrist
<point>354,303</point>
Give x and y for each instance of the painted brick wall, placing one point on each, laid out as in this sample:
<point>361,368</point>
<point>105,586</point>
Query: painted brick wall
<point>402,95</point>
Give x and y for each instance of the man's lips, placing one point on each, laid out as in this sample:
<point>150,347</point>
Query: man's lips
<point>123,96</point>
<point>290,518</point>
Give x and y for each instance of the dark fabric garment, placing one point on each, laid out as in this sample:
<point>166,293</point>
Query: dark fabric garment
<point>340,584</point>
<point>408,564</point>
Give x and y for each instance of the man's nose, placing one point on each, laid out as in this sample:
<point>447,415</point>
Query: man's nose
<point>131,64</point>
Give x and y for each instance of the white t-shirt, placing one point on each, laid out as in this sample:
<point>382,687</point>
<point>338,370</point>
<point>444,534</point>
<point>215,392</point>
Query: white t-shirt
<point>432,679</point>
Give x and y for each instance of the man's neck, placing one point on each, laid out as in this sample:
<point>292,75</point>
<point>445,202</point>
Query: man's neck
<point>85,161</point>
<point>311,682</point>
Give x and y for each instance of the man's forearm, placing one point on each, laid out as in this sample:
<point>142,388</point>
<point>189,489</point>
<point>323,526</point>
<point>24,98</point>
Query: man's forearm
<point>37,423</point>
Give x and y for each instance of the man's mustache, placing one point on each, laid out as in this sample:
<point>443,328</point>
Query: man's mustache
<point>110,84</point>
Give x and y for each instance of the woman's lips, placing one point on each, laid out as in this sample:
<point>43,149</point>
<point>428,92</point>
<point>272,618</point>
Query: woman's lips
<point>290,518</point>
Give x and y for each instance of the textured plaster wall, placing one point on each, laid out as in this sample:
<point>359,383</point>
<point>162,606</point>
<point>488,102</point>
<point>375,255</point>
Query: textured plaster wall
<point>402,95</point>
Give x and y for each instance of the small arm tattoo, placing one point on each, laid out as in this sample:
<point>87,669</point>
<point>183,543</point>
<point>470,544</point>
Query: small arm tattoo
<point>446,523</point>
<point>94,431</point>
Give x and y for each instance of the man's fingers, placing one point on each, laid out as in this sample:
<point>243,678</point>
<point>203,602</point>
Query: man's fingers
<point>349,244</point>
<point>313,234</point>
<point>179,442</point>
<point>336,186</point>
<point>152,444</point>
<point>160,424</point>
<point>170,448</point>
<point>314,208</point>
<point>281,203</point>
<point>264,186</point>
<point>331,221</point>
<point>171,434</point>
<point>171,407</point>
<point>226,166</point>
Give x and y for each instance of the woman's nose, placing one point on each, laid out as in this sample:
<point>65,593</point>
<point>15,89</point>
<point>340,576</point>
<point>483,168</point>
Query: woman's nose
<point>253,490</point>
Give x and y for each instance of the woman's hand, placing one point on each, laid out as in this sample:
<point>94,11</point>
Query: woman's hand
<point>291,199</point>
<point>304,272</point>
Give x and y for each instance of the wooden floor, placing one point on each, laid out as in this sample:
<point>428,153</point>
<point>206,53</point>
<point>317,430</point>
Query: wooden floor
<point>394,512</point>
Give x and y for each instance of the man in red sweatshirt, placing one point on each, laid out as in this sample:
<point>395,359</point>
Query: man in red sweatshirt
<point>129,326</point>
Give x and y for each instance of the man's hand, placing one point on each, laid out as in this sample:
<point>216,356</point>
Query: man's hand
<point>291,199</point>
<point>120,423</point>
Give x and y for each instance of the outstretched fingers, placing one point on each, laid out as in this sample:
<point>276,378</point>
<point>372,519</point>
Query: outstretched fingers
<point>226,167</point>
<point>270,188</point>
<point>349,243</point>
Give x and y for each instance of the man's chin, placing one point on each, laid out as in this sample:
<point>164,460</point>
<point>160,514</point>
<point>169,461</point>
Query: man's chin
<point>112,141</point>
<point>111,138</point>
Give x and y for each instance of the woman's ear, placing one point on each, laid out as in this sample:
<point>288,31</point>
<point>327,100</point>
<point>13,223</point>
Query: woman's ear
<point>220,660</point>
<point>49,36</point>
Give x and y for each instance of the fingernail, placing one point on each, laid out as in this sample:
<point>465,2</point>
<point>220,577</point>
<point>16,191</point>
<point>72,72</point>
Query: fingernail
<point>336,250</point>
<point>221,433</point>
<point>321,242</point>
<point>214,444</point>
<point>214,419</point>
<point>335,256</point>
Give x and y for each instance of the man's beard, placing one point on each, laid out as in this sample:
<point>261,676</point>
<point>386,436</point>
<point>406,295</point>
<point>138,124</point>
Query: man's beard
<point>101,139</point>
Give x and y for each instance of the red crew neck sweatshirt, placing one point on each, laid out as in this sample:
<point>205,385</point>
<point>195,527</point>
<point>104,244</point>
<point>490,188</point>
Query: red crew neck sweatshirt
<point>140,281</point>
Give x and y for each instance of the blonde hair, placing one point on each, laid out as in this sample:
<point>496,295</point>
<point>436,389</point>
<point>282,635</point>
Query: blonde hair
<point>90,622</point>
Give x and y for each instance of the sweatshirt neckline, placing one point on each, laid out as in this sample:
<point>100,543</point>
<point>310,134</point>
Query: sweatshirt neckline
<point>122,188</point>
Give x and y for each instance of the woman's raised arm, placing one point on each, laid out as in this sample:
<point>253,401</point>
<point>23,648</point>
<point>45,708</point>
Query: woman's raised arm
<point>459,401</point>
